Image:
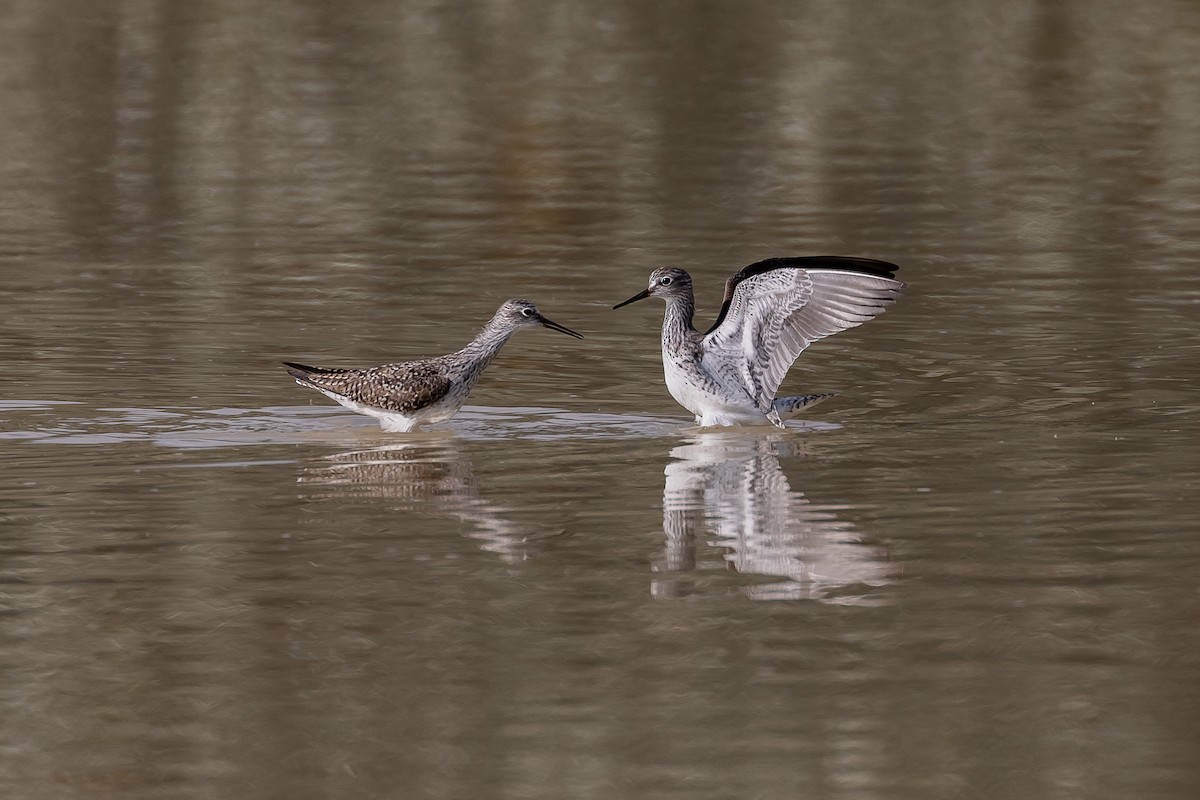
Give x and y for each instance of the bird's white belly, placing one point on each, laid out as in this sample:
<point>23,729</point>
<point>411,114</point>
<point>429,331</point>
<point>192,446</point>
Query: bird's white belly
<point>394,421</point>
<point>713,403</point>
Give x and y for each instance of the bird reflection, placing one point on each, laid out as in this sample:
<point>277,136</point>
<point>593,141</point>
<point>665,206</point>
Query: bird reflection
<point>732,485</point>
<point>423,476</point>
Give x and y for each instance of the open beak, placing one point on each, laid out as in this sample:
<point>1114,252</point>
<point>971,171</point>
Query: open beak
<point>554,326</point>
<point>642,295</point>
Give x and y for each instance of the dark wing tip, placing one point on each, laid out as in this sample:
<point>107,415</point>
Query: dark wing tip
<point>305,372</point>
<point>299,370</point>
<point>867,266</point>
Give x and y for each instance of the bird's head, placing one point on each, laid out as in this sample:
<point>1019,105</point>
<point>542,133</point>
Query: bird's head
<point>665,282</point>
<point>522,313</point>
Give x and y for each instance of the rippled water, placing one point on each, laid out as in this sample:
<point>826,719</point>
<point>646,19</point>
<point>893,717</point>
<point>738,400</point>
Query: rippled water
<point>972,574</point>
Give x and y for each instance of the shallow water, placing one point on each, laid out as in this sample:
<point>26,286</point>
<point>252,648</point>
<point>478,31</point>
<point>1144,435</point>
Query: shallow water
<point>971,574</point>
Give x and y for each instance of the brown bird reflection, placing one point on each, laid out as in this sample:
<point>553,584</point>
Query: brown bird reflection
<point>429,476</point>
<point>732,486</point>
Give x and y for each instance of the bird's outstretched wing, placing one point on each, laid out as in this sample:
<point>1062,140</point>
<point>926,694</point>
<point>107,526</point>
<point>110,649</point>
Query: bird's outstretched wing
<point>404,388</point>
<point>774,309</point>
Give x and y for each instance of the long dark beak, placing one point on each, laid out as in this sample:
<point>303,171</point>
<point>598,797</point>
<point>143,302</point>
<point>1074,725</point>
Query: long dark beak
<point>642,295</point>
<point>554,326</point>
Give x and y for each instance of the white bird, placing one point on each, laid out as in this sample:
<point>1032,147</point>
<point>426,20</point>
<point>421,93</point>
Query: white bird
<point>407,394</point>
<point>773,310</point>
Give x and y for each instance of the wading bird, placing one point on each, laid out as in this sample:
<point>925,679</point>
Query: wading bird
<point>772,311</point>
<point>405,395</point>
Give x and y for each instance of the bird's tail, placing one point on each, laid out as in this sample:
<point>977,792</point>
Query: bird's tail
<point>310,376</point>
<point>790,406</point>
<point>303,371</point>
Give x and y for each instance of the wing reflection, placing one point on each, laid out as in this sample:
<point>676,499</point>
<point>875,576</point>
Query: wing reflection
<point>425,476</point>
<point>733,486</point>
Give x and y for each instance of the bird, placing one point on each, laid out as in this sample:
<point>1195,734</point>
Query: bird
<point>405,395</point>
<point>772,311</point>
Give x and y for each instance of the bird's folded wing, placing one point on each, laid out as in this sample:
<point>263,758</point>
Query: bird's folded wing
<point>774,315</point>
<point>403,388</point>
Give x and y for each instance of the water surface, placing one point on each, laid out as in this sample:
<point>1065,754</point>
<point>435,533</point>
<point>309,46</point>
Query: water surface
<point>972,574</point>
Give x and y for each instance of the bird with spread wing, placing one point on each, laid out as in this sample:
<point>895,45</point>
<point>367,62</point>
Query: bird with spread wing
<point>772,311</point>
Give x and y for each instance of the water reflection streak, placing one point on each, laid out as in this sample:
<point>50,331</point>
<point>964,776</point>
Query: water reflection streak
<point>732,484</point>
<point>426,475</point>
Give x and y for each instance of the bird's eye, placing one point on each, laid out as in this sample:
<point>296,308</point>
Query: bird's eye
<point>664,281</point>
<point>526,312</point>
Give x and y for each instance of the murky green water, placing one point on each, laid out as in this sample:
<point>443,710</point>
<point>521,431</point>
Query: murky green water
<point>973,574</point>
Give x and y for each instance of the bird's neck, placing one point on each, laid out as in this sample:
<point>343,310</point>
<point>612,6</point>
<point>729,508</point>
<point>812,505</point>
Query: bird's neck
<point>677,321</point>
<point>484,347</point>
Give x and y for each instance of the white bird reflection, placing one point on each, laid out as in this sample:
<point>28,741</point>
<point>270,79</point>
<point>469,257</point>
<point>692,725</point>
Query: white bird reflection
<point>732,485</point>
<point>425,475</point>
